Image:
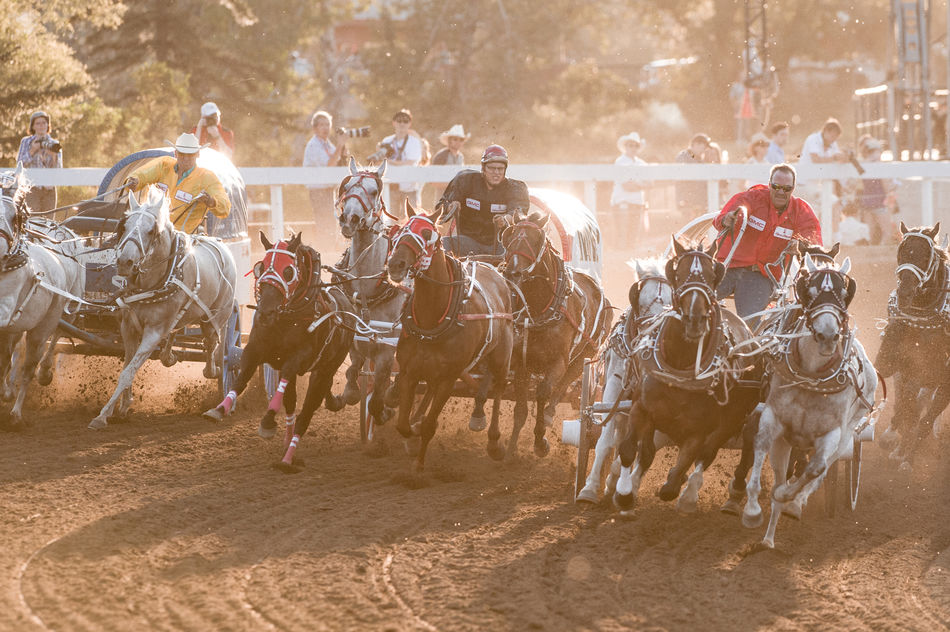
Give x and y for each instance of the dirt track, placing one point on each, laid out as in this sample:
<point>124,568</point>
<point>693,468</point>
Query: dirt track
<point>172,523</point>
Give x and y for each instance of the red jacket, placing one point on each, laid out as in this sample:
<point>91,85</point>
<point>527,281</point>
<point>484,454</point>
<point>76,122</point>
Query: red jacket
<point>767,233</point>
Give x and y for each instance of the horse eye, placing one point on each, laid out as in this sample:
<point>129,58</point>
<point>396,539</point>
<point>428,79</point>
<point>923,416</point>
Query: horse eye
<point>258,269</point>
<point>289,274</point>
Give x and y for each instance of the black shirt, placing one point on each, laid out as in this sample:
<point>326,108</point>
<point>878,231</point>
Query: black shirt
<point>479,204</point>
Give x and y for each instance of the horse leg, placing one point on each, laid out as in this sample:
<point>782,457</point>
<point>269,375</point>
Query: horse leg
<point>520,411</point>
<point>477,421</point>
<point>498,370</point>
<point>381,380</point>
<point>212,339</point>
<point>778,455</point>
<point>45,374</point>
<point>9,359</point>
<point>906,411</point>
<point>250,360</point>
<point>640,427</point>
<point>406,386</point>
<point>542,397</point>
<point>765,435</point>
<point>826,448</point>
<point>737,486</point>
<point>352,394</point>
<point>151,337</point>
<point>318,388</point>
<point>928,423</point>
<point>589,493</point>
<point>32,350</point>
<point>441,394</point>
<point>687,455</point>
<point>286,387</point>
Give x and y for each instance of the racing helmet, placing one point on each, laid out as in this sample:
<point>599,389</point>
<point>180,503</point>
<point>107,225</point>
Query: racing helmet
<point>495,153</point>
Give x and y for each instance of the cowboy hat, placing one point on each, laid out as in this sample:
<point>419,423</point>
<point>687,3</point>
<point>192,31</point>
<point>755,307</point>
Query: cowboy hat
<point>870,144</point>
<point>759,139</point>
<point>631,137</point>
<point>210,108</point>
<point>456,131</point>
<point>187,144</point>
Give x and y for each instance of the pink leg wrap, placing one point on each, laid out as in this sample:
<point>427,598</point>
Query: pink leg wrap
<point>289,430</point>
<point>278,397</point>
<point>291,449</point>
<point>228,402</point>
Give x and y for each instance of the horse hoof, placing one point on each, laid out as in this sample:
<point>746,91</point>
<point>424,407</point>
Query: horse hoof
<point>413,444</point>
<point>542,448</point>
<point>686,506</point>
<point>731,507</point>
<point>792,510</point>
<point>333,403</point>
<point>288,468</point>
<point>752,521</point>
<point>477,424</point>
<point>495,451</point>
<point>44,377</point>
<point>782,494</point>
<point>587,496</point>
<point>214,414</point>
<point>171,359</point>
<point>98,424</point>
<point>210,372</point>
<point>351,396</point>
<point>623,502</point>
<point>668,492</point>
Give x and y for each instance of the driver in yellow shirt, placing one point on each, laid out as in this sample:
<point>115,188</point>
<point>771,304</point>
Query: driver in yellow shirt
<point>191,189</point>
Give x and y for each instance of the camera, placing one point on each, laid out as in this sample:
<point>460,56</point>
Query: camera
<point>52,144</point>
<point>354,132</point>
<point>385,151</point>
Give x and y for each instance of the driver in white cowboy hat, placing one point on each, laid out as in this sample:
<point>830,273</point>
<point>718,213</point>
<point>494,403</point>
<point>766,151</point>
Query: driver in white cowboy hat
<point>193,190</point>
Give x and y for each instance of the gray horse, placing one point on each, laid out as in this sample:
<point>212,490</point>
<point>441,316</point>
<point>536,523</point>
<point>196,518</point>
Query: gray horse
<point>37,283</point>
<point>173,280</point>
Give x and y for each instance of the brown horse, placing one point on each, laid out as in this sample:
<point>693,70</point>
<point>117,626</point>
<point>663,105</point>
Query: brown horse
<point>563,318</point>
<point>458,316</point>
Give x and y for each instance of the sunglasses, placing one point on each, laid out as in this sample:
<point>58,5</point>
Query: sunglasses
<point>785,188</point>
<point>402,120</point>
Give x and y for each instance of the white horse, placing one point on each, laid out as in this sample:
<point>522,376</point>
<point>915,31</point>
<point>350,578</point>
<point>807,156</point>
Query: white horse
<point>822,387</point>
<point>362,220</point>
<point>37,283</point>
<point>650,295</point>
<point>173,279</point>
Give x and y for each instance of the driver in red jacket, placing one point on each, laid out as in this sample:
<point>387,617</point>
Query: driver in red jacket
<point>775,218</point>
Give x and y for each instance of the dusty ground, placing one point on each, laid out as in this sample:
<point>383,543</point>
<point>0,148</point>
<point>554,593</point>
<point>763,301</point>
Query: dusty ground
<point>169,522</point>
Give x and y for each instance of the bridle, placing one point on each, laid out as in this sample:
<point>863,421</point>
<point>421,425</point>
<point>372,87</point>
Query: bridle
<point>353,187</point>
<point>10,226</point>
<point>643,313</point>
<point>933,259</point>
<point>266,272</point>
<point>696,281</point>
<point>422,249</point>
<point>138,238</point>
<point>517,243</point>
<point>818,295</point>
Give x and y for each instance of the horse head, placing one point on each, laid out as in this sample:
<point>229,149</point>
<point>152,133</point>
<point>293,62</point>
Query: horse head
<point>360,200</point>
<point>918,259</point>
<point>525,244</point>
<point>143,230</point>
<point>825,294</point>
<point>276,277</point>
<point>651,293</point>
<point>13,209</point>
<point>694,274</point>
<point>414,243</point>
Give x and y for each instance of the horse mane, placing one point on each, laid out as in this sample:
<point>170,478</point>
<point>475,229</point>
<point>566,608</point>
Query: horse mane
<point>647,266</point>
<point>156,199</point>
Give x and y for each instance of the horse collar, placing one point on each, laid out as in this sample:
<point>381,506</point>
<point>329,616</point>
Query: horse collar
<point>453,308</point>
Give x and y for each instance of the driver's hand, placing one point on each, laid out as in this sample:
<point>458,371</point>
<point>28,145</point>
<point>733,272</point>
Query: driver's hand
<point>213,131</point>
<point>207,198</point>
<point>131,182</point>
<point>729,219</point>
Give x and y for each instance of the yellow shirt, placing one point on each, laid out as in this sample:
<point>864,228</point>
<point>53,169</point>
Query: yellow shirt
<point>185,216</point>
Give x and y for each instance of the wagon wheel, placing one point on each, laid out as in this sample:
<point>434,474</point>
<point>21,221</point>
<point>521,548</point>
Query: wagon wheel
<point>831,489</point>
<point>229,353</point>
<point>854,474</point>
<point>583,443</point>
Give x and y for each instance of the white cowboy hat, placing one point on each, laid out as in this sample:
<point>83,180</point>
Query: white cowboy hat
<point>632,136</point>
<point>456,131</point>
<point>187,144</point>
<point>210,108</point>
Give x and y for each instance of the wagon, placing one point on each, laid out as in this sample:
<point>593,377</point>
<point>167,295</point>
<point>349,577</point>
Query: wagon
<point>94,329</point>
<point>584,431</point>
<point>573,230</point>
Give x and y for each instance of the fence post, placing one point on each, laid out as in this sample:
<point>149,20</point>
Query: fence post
<point>277,212</point>
<point>590,195</point>
<point>712,195</point>
<point>927,202</point>
<point>827,206</point>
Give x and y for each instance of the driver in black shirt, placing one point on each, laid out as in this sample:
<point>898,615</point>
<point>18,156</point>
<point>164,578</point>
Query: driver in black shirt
<point>475,199</point>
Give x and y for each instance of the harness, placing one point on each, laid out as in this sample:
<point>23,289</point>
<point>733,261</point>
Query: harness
<point>352,187</point>
<point>935,315</point>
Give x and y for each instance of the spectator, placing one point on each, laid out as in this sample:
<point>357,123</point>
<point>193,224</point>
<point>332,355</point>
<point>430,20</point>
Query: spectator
<point>875,199</point>
<point>453,139</point>
<point>322,152</point>
<point>757,149</point>
<point>40,150</point>
<point>775,218</point>
<point>404,147</point>
<point>820,147</point>
<point>210,131</point>
<point>193,190</point>
<point>691,194</point>
<point>779,136</point>
<point>628,202</point>
<point>852,231</point>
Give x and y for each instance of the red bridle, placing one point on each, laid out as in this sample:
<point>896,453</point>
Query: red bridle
<point>422,249</point>
<point>279,269</point>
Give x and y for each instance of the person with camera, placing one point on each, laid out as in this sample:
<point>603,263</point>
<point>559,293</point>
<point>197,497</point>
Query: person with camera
<point>475,198</point>
<point>192,190</point>
<point>403,147</point>
<point>210,132</point>
<point>40,150</point>
<point>775,217</point>
<point>323,152</point>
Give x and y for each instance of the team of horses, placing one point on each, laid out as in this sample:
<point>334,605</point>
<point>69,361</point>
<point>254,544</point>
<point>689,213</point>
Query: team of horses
<point>694,374</point>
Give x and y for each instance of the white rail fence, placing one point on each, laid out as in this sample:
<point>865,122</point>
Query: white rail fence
<point>920,176</point>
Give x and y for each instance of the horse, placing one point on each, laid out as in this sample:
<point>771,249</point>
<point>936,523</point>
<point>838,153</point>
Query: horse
<point>172,280</point>
<point>361,208</point>
<point>649,296</point>
<point>38,282</point>
<point>822,386</point>
<point>691,389</point>
<point>562,318</point>
<point>915,344</point>
<point>298,329</point>
<point>457,317</point>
